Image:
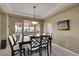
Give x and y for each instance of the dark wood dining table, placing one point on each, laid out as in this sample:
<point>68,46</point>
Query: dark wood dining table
<point>28,42</point>
<point>21,44</point>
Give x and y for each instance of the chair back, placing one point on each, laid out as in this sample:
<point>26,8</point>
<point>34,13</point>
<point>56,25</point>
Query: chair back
<point>35,41</point>
<point>11,42</point>
<point>44,39</point>
<point>14,38</point>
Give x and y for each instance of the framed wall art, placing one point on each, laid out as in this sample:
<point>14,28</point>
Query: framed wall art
<point>63,25</point>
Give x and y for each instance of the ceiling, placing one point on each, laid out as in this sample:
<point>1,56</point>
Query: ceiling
<point>43,10</point>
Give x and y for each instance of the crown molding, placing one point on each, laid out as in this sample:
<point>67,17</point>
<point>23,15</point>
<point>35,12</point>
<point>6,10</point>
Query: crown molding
<point>7,9</point>
<point>58,9</point>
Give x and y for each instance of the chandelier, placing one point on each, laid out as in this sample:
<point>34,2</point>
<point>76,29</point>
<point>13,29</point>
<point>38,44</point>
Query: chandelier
<point>34,22</point>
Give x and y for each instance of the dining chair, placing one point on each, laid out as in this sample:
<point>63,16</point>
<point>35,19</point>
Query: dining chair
<point>15,47</point>
<point>17,40</point>
<point>44,44</point>
<point>35,45</point>
<point>24,45</point>
<point>14,38</point>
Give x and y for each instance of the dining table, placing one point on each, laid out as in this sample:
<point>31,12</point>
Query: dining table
<point>27,41</point>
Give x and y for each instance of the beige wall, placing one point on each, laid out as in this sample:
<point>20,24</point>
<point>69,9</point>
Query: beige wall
<point>3,27</point>
<point>0,31</point>
<point>67,39</point>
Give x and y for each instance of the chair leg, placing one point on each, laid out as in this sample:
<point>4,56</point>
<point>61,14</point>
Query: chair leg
<point>31,53</point>
<point>28,52</point>
<point>20,52</point>
<point>24,52</point>
<point>47,50</point>
<point>12,53</point>
<point>40,53</point>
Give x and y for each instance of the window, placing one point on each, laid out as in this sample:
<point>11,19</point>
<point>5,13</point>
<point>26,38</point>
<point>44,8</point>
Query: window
<point>18,27</point>
<point>31,27</point>
<point>38,28</point>
<point>26,29</point>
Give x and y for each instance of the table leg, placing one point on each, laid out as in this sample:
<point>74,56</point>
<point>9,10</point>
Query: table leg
<point>20,46</point>
<point>50,46</point>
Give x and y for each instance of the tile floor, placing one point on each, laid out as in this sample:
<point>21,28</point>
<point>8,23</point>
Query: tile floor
<point>55,52</point>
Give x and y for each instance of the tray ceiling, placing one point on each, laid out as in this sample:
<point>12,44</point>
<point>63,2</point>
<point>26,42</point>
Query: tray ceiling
<point>43,10</point>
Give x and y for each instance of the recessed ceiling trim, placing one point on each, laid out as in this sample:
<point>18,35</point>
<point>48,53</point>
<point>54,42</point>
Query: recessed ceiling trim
<point>60,7</point>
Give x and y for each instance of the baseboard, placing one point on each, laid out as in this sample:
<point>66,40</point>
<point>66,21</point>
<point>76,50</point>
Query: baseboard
<point>64,50</point>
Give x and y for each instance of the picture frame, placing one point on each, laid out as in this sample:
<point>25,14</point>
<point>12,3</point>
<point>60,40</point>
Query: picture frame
<point>63,25</point>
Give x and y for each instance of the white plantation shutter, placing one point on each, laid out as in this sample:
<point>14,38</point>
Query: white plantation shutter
<point>49,28</point>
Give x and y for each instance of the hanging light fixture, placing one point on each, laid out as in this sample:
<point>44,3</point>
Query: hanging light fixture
<point>34,22</point>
